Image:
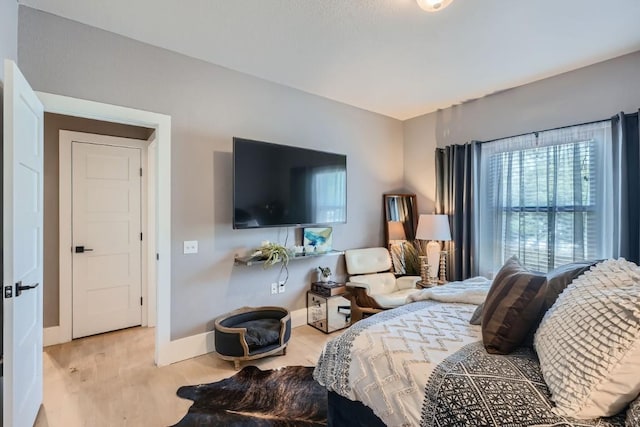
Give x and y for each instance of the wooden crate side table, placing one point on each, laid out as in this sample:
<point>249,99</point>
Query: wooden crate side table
<point>328,314</point>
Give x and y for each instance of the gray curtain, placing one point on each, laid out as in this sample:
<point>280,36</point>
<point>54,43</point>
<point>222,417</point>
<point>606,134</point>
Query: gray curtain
<point>457,181</point>
<point>626,178</point>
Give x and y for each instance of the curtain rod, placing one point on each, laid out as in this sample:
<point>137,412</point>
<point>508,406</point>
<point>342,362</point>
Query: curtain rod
<point>546,130</point>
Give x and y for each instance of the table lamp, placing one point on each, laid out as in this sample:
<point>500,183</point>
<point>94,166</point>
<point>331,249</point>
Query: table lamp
<point>434,228</point>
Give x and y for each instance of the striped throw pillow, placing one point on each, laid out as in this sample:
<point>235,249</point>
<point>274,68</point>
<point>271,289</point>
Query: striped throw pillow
<point>512,307</point>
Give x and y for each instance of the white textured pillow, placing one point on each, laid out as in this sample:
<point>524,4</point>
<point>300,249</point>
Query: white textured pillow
<point>588,342</point>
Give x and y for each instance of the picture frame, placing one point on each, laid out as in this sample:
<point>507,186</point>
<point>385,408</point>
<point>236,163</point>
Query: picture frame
<point>317,239</point>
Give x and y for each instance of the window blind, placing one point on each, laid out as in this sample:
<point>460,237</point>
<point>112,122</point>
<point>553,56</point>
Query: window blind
<point>544,198</point>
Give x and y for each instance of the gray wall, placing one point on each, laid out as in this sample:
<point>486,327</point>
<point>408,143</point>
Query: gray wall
<point>53,123</point>
<point>591,93</point>
<point>8,32</point>
<point>209,105</point>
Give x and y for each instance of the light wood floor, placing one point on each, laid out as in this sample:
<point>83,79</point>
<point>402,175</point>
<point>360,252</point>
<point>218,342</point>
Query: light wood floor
<point>110,379</point>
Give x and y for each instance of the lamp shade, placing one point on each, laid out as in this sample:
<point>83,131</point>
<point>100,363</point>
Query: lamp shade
<point>433,227</point>
<point>396,230</point>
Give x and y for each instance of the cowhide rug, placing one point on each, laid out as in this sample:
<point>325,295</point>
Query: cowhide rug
<point>275,398</point>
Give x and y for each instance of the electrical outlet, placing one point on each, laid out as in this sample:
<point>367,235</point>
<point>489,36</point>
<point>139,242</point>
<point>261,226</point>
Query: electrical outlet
<point>281,287</point>
<point>190,247</point>
<point>274,288</point>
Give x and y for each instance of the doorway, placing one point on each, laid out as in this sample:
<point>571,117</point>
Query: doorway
<point>161,160</point>
<point>103,299</point>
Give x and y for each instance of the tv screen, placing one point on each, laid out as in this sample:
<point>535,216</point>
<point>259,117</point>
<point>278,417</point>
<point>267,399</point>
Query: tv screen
<point>277,185</point>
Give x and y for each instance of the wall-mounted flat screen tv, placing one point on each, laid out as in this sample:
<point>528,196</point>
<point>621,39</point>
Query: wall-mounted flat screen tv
<point>281,186</point>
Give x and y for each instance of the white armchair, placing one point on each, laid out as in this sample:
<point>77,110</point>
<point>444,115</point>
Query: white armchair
<point>372,286</point>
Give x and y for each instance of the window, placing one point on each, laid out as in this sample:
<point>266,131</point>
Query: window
<point>543,198</point>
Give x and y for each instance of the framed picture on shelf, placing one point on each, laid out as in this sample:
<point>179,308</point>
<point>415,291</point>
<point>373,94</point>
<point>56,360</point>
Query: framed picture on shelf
<point>317,238</point>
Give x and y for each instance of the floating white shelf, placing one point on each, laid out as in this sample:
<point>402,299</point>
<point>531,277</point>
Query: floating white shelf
<point>248,260</point>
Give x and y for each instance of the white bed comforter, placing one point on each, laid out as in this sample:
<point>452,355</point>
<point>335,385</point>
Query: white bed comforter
<point>470,291</point>
<point>385,361</point>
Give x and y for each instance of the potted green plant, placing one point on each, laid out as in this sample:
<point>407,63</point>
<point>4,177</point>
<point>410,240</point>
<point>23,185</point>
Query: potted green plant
<point>325,274</point>
<point>272,253</point>
<point>411,260</point>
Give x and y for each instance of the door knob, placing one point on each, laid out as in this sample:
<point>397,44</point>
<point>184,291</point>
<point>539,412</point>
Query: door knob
<point>20,287</point>
<point>82,249</point>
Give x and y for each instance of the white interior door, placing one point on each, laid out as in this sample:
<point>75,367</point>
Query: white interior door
<point>107,237</point>
<point>22,250</point>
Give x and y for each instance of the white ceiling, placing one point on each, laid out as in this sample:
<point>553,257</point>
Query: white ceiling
<point>386,56</point>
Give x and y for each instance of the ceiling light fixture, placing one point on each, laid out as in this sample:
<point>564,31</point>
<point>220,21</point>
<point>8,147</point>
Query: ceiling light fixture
<point>433,5</point>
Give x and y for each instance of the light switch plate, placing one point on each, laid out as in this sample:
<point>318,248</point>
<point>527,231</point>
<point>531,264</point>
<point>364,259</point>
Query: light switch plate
<point>190,246</point>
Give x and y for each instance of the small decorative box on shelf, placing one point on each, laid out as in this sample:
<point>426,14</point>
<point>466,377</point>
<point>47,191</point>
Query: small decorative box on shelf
<point>327,289</point>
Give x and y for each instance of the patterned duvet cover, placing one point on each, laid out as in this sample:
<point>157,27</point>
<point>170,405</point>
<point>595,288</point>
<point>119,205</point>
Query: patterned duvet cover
<point>423,365</point>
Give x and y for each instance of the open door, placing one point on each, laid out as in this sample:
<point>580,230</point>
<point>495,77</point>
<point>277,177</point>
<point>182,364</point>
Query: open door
<point>22,250</point>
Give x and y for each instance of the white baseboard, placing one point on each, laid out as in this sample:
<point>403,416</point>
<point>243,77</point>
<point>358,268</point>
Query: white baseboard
<point>197,345</point>
<point>52,336</point>
<point>193,346</point>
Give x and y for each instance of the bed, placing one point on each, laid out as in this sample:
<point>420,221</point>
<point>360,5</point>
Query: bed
<point>423,364</point>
